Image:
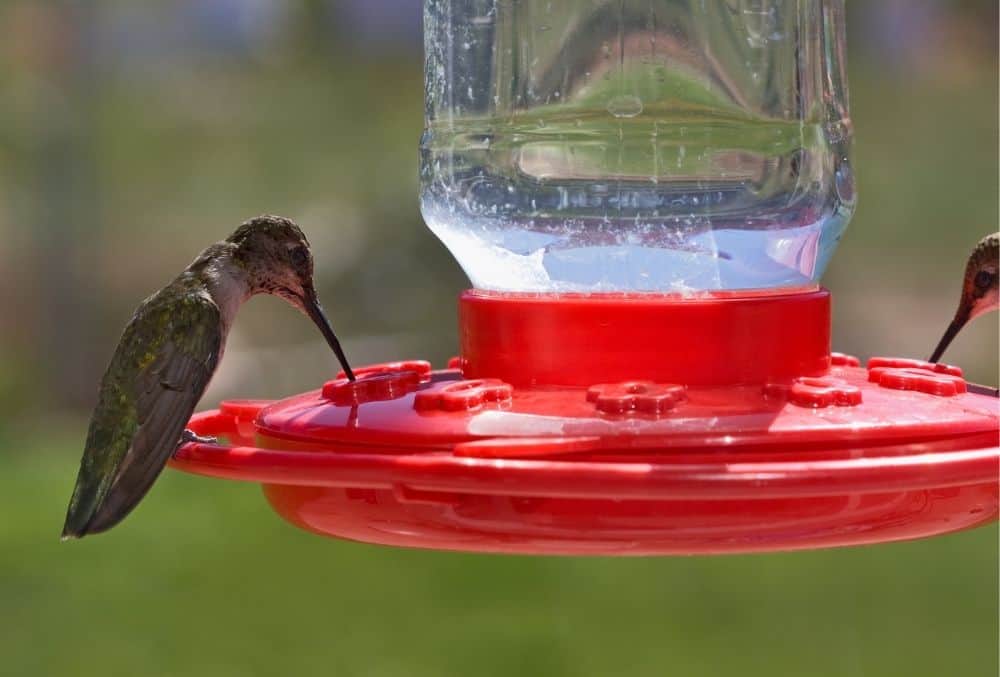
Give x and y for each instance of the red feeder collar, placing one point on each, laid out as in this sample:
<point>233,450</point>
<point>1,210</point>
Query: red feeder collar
<point>579,340</point>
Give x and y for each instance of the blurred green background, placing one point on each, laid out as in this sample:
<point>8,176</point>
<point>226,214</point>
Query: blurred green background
<point>132,135</point>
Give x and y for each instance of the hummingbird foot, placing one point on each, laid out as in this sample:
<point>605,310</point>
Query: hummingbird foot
<point>191,436</point>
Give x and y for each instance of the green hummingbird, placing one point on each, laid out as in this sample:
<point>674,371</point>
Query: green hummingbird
<point>979,290</point>
<point>166,357</point>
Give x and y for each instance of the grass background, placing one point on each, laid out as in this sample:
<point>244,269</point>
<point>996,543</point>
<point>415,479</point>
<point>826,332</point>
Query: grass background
<point>205,580</point>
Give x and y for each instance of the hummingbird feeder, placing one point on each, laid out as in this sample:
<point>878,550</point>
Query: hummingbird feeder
<point>644,196</point>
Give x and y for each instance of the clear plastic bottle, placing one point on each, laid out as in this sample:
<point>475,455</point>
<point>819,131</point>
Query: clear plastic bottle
<point>627,145</point>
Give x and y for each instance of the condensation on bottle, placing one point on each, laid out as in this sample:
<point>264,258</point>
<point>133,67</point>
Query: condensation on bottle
<point>625,146</point>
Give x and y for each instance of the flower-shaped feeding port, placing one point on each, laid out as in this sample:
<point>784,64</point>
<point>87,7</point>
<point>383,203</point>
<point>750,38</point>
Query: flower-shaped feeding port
<point>635,396</point>
<point>902,374</point>
<point>464,395</point>
<point>817,392</point>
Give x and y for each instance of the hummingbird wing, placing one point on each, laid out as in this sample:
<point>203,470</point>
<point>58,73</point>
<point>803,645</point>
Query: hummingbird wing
<point>160,370</point>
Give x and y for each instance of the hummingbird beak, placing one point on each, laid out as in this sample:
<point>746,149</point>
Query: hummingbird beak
<point>961,318</point>
<point>314,310</point>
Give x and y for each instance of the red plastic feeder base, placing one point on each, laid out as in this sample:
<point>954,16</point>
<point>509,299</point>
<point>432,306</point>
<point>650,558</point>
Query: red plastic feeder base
<point>618,425</point>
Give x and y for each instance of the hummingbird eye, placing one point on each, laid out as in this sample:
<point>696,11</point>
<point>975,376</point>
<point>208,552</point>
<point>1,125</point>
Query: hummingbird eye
<point>983,280</point>
<point>299,257</point>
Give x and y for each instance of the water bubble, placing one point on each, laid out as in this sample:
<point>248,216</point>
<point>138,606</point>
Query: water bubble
<point>626,106</point>
<point>844,180</point>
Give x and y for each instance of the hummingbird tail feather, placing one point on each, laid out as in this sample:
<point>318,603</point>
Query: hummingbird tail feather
<point>117,502</point>
<point>70,533</point>
<point>102,518</point>
<point>82,506</point>
<point>100,503</point>
<point>116,507</point>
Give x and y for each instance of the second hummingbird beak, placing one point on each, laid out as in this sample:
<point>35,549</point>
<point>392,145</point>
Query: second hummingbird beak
<point>961,318</point>
<point>310,303</point>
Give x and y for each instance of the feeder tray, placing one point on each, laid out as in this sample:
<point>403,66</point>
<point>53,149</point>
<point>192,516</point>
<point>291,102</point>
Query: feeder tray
<point>624,425</point>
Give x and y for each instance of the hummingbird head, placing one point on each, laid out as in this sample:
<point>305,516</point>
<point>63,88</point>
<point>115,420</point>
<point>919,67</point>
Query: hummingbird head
<point>276,257</point>
<point>979,289</point>
<point>982,274</point>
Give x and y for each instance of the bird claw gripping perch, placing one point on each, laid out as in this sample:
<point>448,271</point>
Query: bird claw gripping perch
<point>191,436</point>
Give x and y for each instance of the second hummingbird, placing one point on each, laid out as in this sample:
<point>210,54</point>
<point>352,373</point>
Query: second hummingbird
<point>167,355</point>
<point>979,290</point>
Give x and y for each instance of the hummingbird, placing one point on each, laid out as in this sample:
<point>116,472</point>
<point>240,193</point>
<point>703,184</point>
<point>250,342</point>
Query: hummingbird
<point>979,289</point>
<point>166,357</point>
